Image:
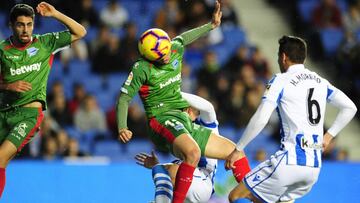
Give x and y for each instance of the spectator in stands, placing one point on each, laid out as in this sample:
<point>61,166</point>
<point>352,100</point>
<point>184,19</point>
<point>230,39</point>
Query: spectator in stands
<point>62,139</point>
<point>260,65</point>
<point>114,15</point>
<point>86,14</point>
<point>60,112</point>
<point>229,16</point>
<point>248,76</point>
<point>236,62</point>
<point>260,155</point>
<point>209,70</point>
<point>79,50</point>
<point>101,39</point>
<point>137,121</point>
<point>188,82</point>
<point>57,88</point>
<point>128,48</point>
<point>108,59</point>
<point>89,116</point>
<point>73,150</point>
<point>79,95</point>
<point>50,149</point>
<point>169,15</point>
<point>351,19</point>
<point>327,15</point>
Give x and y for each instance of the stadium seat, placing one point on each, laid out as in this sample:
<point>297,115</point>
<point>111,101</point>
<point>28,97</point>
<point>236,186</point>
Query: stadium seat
<point>305,9</point>
<point>330,40</point>
<point>136,146</point>
<point>109,148</point>
<point>105,100</point>
<point>228,131</point>
<point>79,70</point>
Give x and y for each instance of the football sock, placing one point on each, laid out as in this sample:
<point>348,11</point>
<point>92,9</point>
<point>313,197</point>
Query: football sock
<point>183,181</point>
<point>163,185</point>
<point>2,180</point>
<point>242,167</point>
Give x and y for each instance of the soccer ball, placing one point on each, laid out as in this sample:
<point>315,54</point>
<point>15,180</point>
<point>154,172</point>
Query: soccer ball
<point>154,44</point>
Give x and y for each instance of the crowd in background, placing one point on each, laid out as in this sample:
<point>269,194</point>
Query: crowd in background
<point>234,87</point>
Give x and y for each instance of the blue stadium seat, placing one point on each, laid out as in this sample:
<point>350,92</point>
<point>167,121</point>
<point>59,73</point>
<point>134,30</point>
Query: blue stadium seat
<point>93,83</point>
<point>56,72</point>
<point>305,9</point>
<point>331,39</point>
<point>109,148</point>
<point>78,69</point>
<point>228,131</point>
<point>136,146</point>
<point>91,33</point>
<point>105,100</point>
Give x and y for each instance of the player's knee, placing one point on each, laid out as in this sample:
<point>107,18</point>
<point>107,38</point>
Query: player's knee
<point>192,156</point>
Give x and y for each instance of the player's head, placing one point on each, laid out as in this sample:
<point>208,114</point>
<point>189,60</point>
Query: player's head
<point>292,50</point>
<point>22,22</point>
<point>193,112</point>
<point>155,45</point>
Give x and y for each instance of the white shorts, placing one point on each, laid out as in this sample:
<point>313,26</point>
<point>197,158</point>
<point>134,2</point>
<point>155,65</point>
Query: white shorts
<point>201,187</point>
<point>273,180</point>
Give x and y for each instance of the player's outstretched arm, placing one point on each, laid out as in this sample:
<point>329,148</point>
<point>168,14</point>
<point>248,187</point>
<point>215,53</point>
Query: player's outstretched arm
<point>121,117</point>
<point>191,35</point>
<point>77,30</point>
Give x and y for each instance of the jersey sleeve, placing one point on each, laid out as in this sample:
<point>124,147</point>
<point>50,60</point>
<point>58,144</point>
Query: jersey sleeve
<point>56,41</point>
<point>136,78</point>
<point>178,45</point>
<point>274,90</point>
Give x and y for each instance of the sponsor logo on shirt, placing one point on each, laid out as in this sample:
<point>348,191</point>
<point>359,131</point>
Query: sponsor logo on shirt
<point>129,79</point>
<point>175,63</point>
<point>305,144</point>
<point>32,51</point>
<point>170,81</point>
<point>25,69</point>
<point>12,57</point>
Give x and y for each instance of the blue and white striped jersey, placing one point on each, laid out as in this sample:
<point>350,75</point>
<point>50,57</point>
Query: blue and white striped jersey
<point>300,96</point>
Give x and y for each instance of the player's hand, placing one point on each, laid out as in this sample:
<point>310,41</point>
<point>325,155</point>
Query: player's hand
<point>125,135</point>
<point>216,18</point>
<point>46,9</point>
<point>232,158</point>
<point>18,86</point>
<point>326,140</point>
<point>146,160</point>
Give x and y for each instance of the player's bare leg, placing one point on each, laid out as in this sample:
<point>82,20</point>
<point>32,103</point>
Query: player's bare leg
<point>188,150</point>
<point>7,152</point>
<point>219,147</point>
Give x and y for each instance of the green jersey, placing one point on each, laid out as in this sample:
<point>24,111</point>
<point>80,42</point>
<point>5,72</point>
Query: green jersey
<point>31,64</point>
<point>158,84</point>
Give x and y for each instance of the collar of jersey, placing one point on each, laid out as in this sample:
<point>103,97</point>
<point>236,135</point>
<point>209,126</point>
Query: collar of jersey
<point>295,68</point>
<point>21,47</point>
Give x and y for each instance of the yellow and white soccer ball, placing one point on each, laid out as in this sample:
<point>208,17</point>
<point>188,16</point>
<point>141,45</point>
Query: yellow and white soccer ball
<point>154,44</point>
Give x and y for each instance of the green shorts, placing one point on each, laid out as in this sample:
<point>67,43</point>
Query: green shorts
<point>19,125</point>
<point>166,127</point>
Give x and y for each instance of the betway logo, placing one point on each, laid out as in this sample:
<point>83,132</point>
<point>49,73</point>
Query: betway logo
<point>25,69</point>
<point>171,80</point>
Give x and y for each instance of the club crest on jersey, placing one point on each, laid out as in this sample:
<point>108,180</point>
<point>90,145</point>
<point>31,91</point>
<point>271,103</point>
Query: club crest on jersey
<point>32,51</point>
<point>129,79</point>
<point>175,63</point>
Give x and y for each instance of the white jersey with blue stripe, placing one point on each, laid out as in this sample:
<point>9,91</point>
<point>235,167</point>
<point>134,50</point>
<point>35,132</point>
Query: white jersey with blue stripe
<point>301,96</point>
